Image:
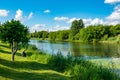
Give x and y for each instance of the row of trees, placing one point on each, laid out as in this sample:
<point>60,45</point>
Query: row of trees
<point>98,32</point>
<point>78,32</point>
<point>61,35</point>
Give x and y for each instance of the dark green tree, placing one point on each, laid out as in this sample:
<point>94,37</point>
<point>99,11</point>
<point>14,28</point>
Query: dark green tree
<point>14,33</point>
<point>76,26</point>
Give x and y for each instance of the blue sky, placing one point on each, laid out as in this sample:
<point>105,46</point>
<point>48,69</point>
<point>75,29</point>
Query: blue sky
<point>54,15</point>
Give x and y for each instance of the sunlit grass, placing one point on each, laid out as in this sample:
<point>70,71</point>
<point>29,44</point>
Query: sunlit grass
<point>25,68</point>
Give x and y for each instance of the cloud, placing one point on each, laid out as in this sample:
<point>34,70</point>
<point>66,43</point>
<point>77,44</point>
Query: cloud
<point>3,13</point>
<point>72,19</point>
<point>61,18</point>
<point>87,22</point>
<point>111,1</point>
<point>37,27</point>
<point>115,15</point>
<point>47,11</point>
<point>19,15</point>
<point>94,21</point>
<point>66,19</point>
<point>58,27</point>
<point>30,15</point>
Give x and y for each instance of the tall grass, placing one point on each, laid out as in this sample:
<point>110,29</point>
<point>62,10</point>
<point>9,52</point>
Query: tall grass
<point>80,69</point>
<point>35,54</point>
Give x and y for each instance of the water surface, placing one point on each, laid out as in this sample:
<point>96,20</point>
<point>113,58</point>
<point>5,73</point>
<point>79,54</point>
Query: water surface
<point>79,49</point>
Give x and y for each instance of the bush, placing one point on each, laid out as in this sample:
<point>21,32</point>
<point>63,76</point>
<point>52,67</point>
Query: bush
<point>32,47</point>
<point>105,37</point>
<point>58,62</point>
<point>84,70</point>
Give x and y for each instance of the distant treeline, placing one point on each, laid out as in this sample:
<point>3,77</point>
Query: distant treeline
<point>79,32</point>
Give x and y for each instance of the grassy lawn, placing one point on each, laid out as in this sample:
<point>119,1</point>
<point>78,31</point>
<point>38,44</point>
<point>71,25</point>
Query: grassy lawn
<point>24,68</point>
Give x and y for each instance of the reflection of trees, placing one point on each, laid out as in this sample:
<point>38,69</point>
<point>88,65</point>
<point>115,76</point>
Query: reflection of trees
<point>103,50</point>
<point>110,50</point>
<point>118,50</point>
<point>74,49</point>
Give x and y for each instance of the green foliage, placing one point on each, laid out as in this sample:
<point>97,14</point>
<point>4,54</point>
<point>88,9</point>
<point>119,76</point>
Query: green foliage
<point>105,37</point>
<point>76,25</point>
<point>14,33</point>
<point>14,30</point>
<point>52,36</point>
<point>93,33</point>
<point>58,61</point>
<point>40,34</point>
<point>84,70</point>
<point>98,32</point>
<point>80,69</point>
<point>59,35</point>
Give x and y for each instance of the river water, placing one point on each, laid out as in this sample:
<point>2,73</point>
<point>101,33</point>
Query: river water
<point>79,49</point>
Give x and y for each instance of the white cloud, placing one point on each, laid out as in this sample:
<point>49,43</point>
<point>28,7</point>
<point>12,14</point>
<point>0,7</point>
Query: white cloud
<point>115,15</point>
<point>3,13</point>
<point>19,15</point>
<point>30,15</point>
<point>37,27</point>
<point>87,22</point>
<point>58,27</point>
<point>61,18</point>
<point>66,19</point>
<point>111,1</point>
<point>94,21</point>
<point>72,19</point>
<point>47,11</point>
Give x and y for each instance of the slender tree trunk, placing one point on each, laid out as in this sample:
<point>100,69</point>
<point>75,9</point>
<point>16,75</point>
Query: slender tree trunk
<point>14,48</point>
<point>13,55</point>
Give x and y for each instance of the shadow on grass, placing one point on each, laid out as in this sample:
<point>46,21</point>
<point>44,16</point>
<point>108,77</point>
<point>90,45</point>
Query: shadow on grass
<point>6,46</point>
<point>24,65</point>
<point>7,52</point>
<point>3,51</point>
<point>16,75</point>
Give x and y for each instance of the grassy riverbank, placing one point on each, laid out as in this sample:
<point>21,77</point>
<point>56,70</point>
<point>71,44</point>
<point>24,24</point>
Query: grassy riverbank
<point>40,66</point>
<point>25,68</point>
<point>115,39</point>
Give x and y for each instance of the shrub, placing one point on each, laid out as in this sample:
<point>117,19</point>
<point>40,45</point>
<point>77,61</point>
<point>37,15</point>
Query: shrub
<point>32,47</point>
<point>85,70</point>
<point>58,61</point>
<point>105,37</point>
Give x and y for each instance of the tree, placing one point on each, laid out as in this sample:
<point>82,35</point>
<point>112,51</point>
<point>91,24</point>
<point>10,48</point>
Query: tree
<point>14,33</point>
<point>76,26</point>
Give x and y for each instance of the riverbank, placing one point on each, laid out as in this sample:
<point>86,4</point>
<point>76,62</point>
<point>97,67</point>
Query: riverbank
<point>115,39</point>
<point>26,68</point>
<point>38,65</point>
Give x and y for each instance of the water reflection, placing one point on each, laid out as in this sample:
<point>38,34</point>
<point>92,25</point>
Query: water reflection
<point>79,49</point>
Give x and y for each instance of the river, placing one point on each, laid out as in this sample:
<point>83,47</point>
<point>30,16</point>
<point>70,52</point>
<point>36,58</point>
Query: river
<point>79,49</point>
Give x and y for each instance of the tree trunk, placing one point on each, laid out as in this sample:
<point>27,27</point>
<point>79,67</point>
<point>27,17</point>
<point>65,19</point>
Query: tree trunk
<point>14,48</point>
<point>13,55</point>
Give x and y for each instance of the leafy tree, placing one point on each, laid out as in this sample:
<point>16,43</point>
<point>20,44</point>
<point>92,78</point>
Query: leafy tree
<point>76,26</point>
<point>14,33</point>
<point>52,35</point>
<point>44,34</point>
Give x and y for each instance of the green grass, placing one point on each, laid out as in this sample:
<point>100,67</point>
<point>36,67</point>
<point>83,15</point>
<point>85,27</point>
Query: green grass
<point>25,68</point>
<point>41,66</point>
<point>115,39</point>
